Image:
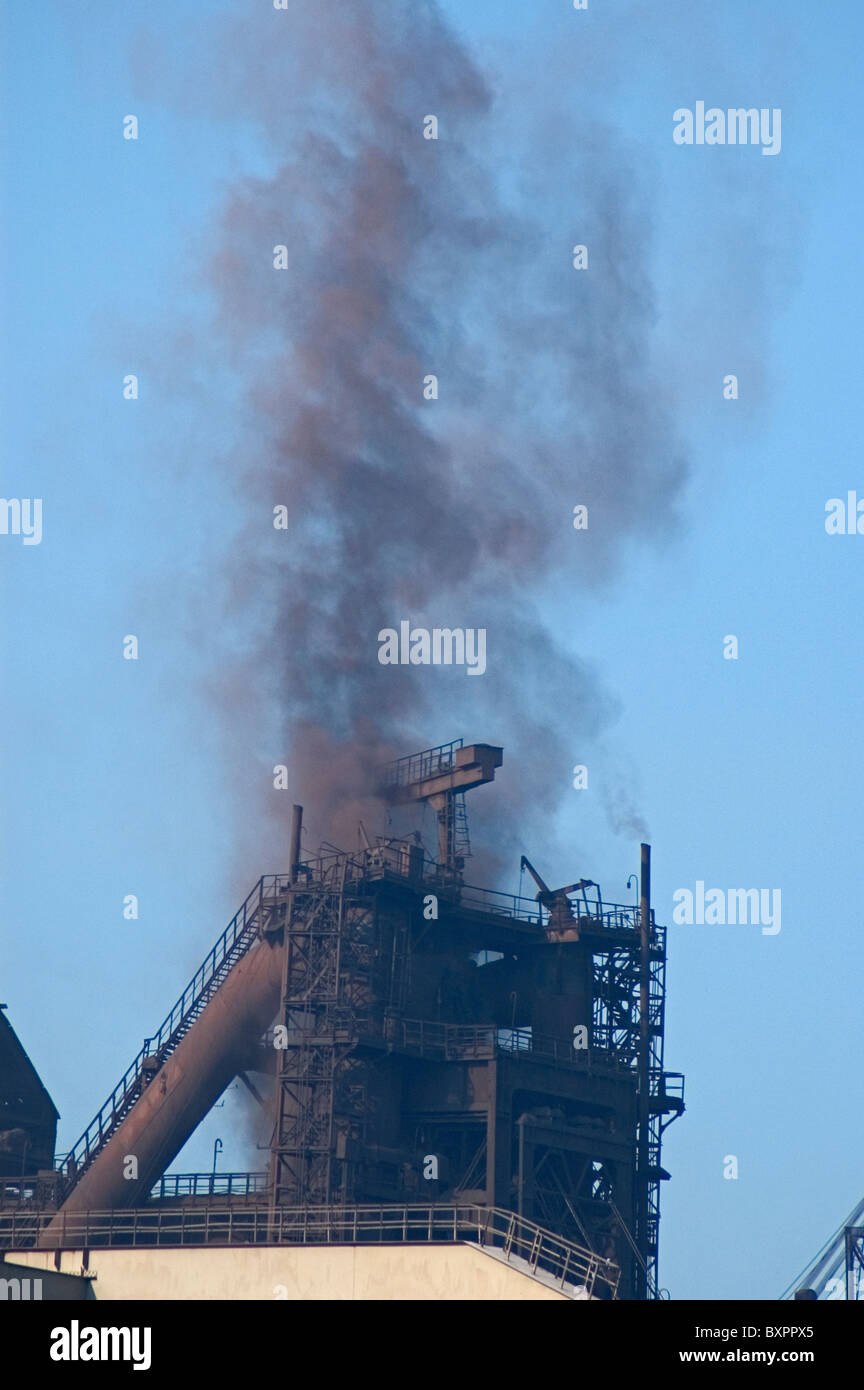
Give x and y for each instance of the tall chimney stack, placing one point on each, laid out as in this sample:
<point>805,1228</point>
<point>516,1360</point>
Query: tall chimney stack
<point>294,846</point>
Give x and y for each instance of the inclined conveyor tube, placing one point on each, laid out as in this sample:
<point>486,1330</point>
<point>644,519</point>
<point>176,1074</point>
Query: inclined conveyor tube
<point>183,1090</point>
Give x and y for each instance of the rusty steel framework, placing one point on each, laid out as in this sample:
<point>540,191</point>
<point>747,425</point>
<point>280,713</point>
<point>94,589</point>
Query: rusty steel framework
<point>428,1042</point>
<point>358,956</point>
<point>329,959</point>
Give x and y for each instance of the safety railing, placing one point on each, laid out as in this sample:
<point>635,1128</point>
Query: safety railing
<point>347,870</point>
<point>418,766</point>
<point>458,1042</point>
<point>234,942</point>
<point>446,1041</point>
<point>397,859</point>
<point>209,1185</point>
<point>37,1191</point>
<point>522,1243</point>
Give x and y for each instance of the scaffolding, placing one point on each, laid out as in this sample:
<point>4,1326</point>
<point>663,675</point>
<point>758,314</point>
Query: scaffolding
<point>425,1042</point>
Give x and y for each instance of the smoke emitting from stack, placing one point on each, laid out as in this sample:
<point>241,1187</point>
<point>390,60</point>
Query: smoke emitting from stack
<point>406,258</point>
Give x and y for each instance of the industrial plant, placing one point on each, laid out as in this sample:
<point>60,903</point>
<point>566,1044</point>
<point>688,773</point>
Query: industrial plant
<point>466,1090</point>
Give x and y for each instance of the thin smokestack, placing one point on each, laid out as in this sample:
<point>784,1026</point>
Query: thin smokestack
<point>644,1059</point>
<point>294,841</point>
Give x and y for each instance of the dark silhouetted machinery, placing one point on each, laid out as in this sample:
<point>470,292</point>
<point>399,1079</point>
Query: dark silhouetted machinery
<point>28,1117</point>
<point>431,1045</point>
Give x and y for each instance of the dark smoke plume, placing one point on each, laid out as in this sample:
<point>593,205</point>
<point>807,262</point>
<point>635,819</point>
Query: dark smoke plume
<point>409,257</point>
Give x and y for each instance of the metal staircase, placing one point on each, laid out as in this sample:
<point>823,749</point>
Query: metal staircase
<point>253,918</point>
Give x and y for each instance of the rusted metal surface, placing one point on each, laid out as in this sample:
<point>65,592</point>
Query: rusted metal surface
<point>425,1039</point>
<point>184,1088</point>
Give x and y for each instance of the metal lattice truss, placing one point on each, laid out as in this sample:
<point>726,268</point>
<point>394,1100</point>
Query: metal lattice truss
<point>616,1028</point>
<point>321,1093</point>
<point>837,1272</point>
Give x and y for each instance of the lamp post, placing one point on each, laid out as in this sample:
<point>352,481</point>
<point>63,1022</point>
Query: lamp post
<point>217,1149</point>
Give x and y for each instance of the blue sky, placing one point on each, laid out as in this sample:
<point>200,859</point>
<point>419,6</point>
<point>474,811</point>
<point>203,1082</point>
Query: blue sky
<point>748,772</point>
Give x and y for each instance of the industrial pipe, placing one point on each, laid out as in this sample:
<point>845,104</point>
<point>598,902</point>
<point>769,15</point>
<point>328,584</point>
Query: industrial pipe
<point>294,842</point>
<point>182,1091</point>
<point>644,1062</point>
